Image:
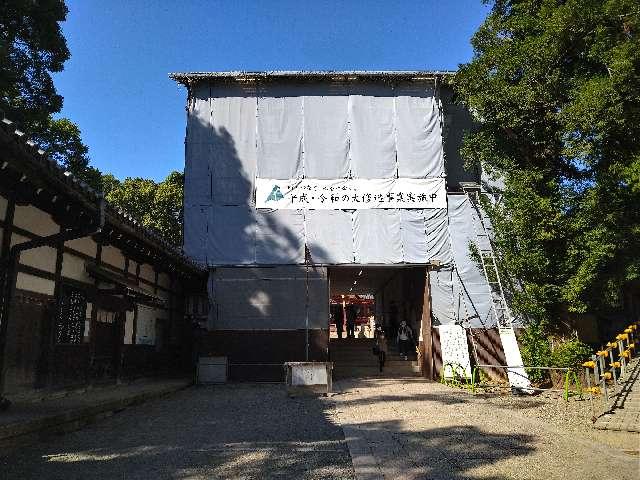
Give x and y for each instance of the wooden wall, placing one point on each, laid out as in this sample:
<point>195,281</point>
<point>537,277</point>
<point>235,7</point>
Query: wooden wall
<point>32,358</point>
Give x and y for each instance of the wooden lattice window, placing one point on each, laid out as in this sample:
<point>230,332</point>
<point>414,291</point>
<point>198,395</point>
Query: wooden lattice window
<point>70,320</point>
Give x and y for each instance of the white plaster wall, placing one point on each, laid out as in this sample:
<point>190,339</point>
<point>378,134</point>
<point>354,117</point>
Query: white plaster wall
<point>74,267</point>
<point>147,288</point>
<point>43,258</point>
<point>132,267</point>
<point>146,272</point>
<point>113,256</point>
<point>128,328</point>
<point>35,220</point>
<point>84,245</point>
<point>35,284</point>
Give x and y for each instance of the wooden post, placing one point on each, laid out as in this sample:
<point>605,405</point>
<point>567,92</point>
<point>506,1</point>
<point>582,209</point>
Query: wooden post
<point>425,326</point>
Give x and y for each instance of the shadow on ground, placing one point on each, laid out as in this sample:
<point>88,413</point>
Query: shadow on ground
<point>439,453</point>
<point>245,431</point>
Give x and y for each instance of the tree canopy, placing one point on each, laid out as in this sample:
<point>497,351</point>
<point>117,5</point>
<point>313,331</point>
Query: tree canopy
<point>555,89</point>
<point>156,205</point>
<point>32,48</point>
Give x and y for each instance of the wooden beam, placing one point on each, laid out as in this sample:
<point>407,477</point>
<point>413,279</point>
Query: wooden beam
<point>427,341</point>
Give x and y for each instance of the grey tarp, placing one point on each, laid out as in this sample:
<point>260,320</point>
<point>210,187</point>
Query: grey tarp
<point>419,137</point>
<point>199,116</point>
<point>234,149</point>
<point>197,180</point>
<point>414,239</point>
<point>376,236</point>
<point>425,236</point>
<point>326,140</point>
<point>195,232</point>
<point>437,236</point>
<point>329,236</point>
<point>321,131</point>
<point>279,137</point>
<point>231,239</point>
<point>373,148</point>
<point>443,305</point>
<point>279,237</point>
<point>261,298</point>
<point>472,285</point>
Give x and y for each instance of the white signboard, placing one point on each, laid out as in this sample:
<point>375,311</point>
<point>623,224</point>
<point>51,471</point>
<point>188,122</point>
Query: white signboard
<point>309,374</point>
<point>455,351</point>
<point>351,194</point>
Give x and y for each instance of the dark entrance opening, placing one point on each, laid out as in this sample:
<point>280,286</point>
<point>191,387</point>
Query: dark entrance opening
<point>371,297</point>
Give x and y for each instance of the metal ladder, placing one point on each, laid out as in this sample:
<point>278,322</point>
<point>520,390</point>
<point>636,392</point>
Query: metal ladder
<point>517,376</point>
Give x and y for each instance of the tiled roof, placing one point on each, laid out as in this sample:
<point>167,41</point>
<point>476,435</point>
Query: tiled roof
<point>114,215</point>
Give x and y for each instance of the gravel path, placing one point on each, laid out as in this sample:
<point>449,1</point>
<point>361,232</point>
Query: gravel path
<point>426,430</point>
<point>396,429</point>
<point>226,432</point>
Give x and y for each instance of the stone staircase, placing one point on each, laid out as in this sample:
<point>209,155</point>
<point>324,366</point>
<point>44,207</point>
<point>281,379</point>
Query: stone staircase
<point>353,357</point>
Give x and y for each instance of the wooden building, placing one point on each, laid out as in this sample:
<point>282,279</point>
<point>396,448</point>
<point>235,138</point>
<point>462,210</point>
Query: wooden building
<point>88,294</point>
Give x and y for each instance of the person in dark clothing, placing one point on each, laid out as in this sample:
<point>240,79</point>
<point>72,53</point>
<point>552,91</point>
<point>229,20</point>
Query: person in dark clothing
<point>405,340</point>
<point>381,347</point>
<point>352,313</point>
<point>338,319</point>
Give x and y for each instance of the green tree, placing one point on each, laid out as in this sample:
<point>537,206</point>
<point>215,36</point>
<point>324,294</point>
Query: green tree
<point>32,47</point>
<point>555,88</point>
<point>156,205</point>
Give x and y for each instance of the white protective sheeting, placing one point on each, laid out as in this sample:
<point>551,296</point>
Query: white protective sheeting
<point>437,236</point>
<point>425,236</point>
<point>373,145</point>
<point>326,140</point>
<point>472,284</point>
<point>280,237</point>
<point>414,239</point>
<point>280,137</point>
<point>376,236</point>
<point>231,238</point>
<point>197,179</point>
<point>329,236</point>
<point>234,149</point>
<point>442,296</point>
<point>419,137</point>
<point>351,194</point>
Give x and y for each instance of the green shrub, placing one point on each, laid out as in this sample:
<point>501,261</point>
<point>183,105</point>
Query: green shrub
<point>535,350</point>
<point>570,354</point>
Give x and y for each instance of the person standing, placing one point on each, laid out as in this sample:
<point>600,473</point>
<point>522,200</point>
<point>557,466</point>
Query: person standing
<point>381,346</point>
<point>405,339</point>
<point>338,319</point>
<point>352,313</point>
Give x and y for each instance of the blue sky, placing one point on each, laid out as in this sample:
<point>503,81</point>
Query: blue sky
<point>132,117</point>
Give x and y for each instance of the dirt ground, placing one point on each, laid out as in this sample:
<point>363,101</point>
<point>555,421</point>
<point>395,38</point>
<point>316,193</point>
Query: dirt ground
<point>426,430</point>
<point>370,429</point>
